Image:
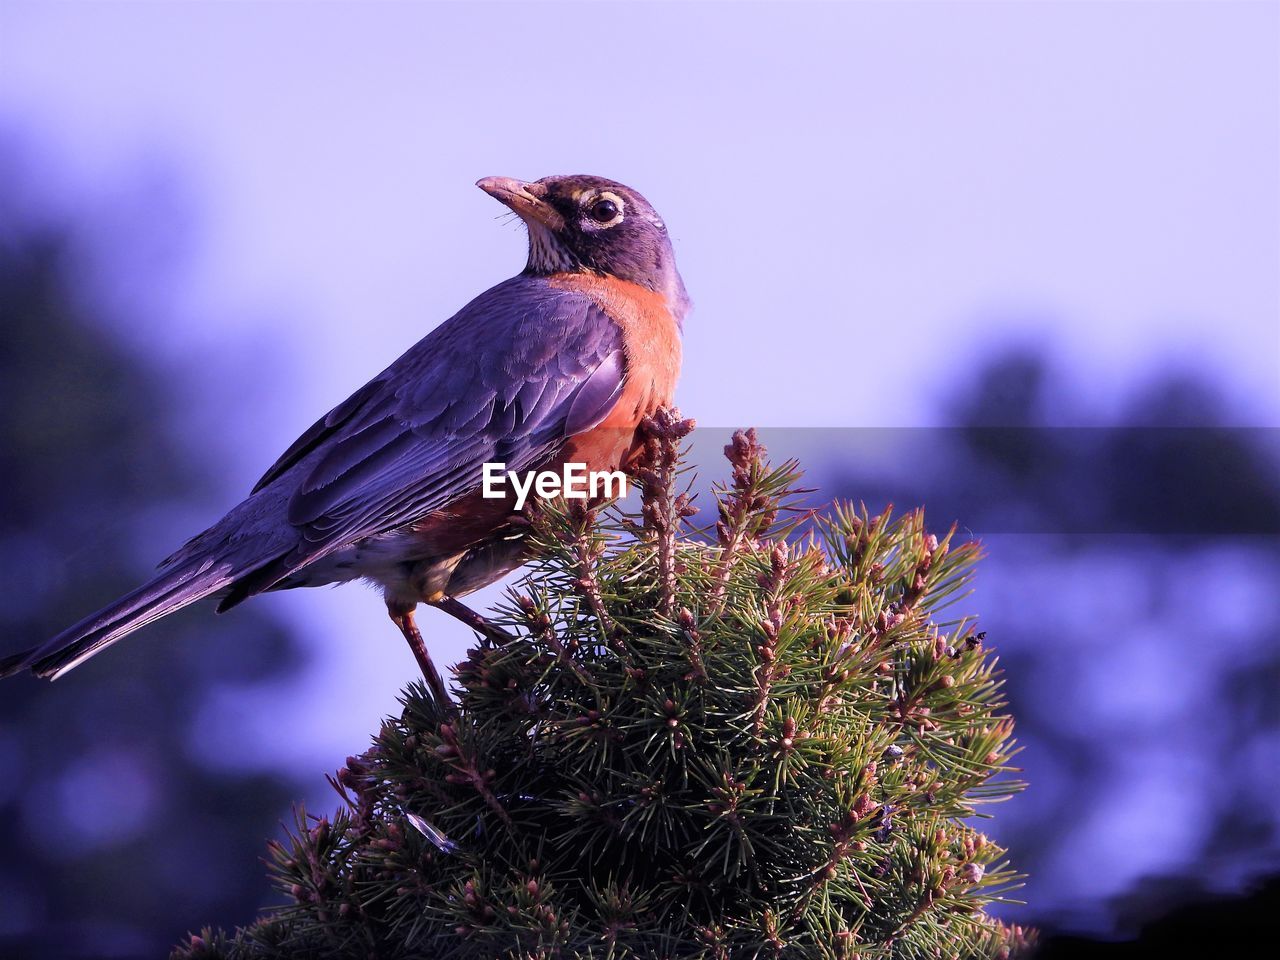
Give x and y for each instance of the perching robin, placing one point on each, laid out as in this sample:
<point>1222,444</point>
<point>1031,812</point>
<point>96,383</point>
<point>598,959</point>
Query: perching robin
<point>557,365</point>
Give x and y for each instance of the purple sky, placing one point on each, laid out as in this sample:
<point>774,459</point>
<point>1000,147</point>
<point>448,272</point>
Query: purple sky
<point>864,197</point>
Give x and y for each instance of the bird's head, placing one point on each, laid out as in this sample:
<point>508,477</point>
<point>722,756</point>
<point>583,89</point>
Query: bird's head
<point>583,223</point>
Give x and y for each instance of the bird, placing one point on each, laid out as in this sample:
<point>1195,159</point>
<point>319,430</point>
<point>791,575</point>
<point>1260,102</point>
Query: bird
<point>559,364</point>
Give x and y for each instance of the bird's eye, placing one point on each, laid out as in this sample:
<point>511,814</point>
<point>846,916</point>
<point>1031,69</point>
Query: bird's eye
<point>603,210</point>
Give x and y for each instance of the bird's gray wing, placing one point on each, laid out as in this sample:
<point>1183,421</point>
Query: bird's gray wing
<point>508,379</point>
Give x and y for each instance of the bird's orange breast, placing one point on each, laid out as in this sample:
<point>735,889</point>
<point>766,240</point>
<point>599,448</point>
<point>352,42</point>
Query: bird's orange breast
<point>652,353</point>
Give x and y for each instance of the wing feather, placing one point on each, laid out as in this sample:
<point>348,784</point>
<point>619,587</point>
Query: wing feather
<point>321,430</point>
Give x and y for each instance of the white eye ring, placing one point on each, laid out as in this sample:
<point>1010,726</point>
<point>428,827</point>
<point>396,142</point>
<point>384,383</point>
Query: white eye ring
<point>590,220</point>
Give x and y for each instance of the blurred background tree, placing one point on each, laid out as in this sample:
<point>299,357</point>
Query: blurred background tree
<point>1130,585</point>
<point>115,834</point>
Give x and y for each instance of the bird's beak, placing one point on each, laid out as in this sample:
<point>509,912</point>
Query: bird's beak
<point>526,199</point>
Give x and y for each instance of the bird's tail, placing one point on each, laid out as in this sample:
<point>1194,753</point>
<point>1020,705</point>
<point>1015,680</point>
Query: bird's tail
<point>176,587</point>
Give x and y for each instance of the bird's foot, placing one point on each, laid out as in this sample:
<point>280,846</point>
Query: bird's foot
<point>460,611</point>
<point>409,627</point>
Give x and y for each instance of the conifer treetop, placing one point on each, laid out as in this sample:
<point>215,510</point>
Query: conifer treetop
<point>768,738</point>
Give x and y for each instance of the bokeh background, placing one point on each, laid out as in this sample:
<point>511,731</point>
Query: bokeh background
<point>1015,261</point>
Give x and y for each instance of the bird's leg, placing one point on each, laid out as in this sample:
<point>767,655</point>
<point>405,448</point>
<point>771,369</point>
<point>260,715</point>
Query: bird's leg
<point>460,611</point>
<point>404,619</point>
